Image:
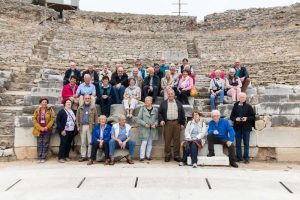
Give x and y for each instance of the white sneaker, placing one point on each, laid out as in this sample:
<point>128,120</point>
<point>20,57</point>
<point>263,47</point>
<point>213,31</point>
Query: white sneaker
<point>38,161</point>
<point>195,165</point>
<point>43,161</point>
<point>181,164</point>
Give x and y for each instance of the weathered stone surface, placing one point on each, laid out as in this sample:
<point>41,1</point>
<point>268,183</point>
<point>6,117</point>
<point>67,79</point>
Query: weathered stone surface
<point>278,109</point>
<point>260,125</point>
<point>34,100</point>
<point>285,120</point>
<point>30,109</point>
<point>288,154</point>
<point>50,84</point>
<point>279,137</point>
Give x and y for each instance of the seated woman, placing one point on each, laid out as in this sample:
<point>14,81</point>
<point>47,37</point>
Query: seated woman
<point>217,86</point>
<point>233,84</point>
<point>132,95</point>
<point>148,122</point>
<point>105,96</point>
<point>69,92</point>
<point>194,138</point>
<point>184,87</point>
<point>190,72</point>
<point>100,140</point>
<point>167,83</point>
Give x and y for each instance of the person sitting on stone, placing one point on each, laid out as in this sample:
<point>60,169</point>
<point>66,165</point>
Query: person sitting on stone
<point>121,138</point>
<point>105,72</point>
<point>69,92</point>
<point>86,119</point>
<point>174,74</point>
<point>242,73</point>
<point>94,75</point>
<point>151,84</point>
<point>157,71</point>
<point>132,96</point>
<point>105,96</point>
<point>217,86</point>
<point>185,62</point>
<point>213,73</point>
<point>163,66</point>
<point>188,69</point>
<point>86,88</point>
<point>72,71</point>
<point>167,83</point>
<point>119,81</point>
<point>194,138</point>
<point>184,87</point>
<point>141,68</point>
<point>138,79</point>
<point>233,85</point>
<point>100,139</point>
<point>218,129</point>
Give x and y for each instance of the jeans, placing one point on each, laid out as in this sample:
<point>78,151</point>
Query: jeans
<point>245,136</point>
<point>65,144</point>
<point>113,145</point>
<point>191,149</point>
<point>213,98</point>
<point>118,93</point>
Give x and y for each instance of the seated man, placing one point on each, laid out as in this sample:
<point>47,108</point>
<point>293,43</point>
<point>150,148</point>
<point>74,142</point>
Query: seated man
<point>157,71</point>
<point>94,75</point>
<point>151,85</point>
<point>218,129</point>
<point>213,73</point>
<point>69,92</point>
<point>86,88</point>
<point>185,62</point>
<point>104,96</point>
<point>121,138</point>
<point>105,72</point>
<point>138,79</point>
<point>217,86</point>
<point>141,68</point>
<point>119,81</point>
<point>72,71</point>
<point>241,71</point>
<point>163,66</point>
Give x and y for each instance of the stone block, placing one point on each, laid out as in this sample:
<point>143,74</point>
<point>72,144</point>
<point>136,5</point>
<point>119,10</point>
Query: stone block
<point>25,152</point>
<point>23,121</point>
<point>225,109</point>
<point>210,161</point>
<point>273,108</point>
<point>260,125</point>
<point>55,92</point>
<point>288,154</point>
<point>285,120</point>
<point>6,141</point>
<point>50,84</point>
<point>279,137</point>
<point>8,152</point>
<point>31,109</point>
<point>30,100</point>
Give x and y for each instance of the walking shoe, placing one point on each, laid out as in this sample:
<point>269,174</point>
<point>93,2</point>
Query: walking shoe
<point>106,162</point>
<point>129,160</point>
<point>167,159</point>
<point>142,159</point>
<point>82,159</point>
<point>246,161</point>
<point>38,161</point>
<point>233,164</point>
<point>210,154</point>
<point>43,161</point>
<point>90,162</point>
<point>67,159</point>
<point>177,158</point>
<point>182,164</point>
<point>148,158</point>
<point>112,161</point>
<point>61,160</point>
<point>195,165</point>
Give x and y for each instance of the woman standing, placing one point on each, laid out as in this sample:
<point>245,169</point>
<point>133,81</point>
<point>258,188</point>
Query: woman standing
<point>65,122</point>
<point>185,85</point>
<point>148,122</point>
<point>167,83</point>
<point>43,120</point>
<point>132,95</point>
<point>195,135</point>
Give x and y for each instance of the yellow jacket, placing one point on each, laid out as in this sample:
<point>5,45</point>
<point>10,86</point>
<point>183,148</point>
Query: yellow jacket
<point>50,119</point>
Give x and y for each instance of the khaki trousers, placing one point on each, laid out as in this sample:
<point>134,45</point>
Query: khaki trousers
<point>172,131</point>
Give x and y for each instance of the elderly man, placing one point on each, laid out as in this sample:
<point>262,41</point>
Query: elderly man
<point>72,71</point>
<point>157,71</point>
<point>151,85</point>
<point>105,72</point>
<point>119,81</point>
<point>121,138</point>
<point>243,118</point>
<point>138,79</point>
<point>172,117</point>
<point>163,66</point>
<point>94,75</point>
<point>241,71</point>
<point>86,88</point>
<point>86,118</point>
<point>218,129</point>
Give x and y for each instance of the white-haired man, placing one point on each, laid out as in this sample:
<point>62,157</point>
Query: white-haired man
<point>72,71</point>
<point>86,88</point>
<point>218,129</point>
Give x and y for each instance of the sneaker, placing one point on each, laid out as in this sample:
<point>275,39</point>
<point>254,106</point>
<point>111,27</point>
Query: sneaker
<point>67,159</point>
<point>195,165</point>
<point>38,161</point>
<point>142,159</point>
<point>181,164</point>
<point>246,161</point>
<point>61,160</point>
<point>148,158</point>
<point>43,161</point>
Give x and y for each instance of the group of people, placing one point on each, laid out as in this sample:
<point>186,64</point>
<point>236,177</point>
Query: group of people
<point>79,116</point>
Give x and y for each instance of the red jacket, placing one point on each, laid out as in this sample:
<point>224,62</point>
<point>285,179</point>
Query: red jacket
<point>68,92</point>
<point>213,74</point>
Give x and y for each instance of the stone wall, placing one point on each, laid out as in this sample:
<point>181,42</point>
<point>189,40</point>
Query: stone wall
<point>252,19</point>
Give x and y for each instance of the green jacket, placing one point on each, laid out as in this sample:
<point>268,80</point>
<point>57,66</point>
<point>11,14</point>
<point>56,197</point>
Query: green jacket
<point>93,117</point>
<point>145,118</point>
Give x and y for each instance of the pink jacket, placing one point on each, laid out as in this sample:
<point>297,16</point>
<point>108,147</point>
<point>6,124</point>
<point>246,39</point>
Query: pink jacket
<point>189,84</point>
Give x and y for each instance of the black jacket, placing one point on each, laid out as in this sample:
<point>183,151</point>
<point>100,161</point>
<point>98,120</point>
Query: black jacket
<point>61,120</point>
<point>244,111</point>
<point>68,75</point>
<point>96,76</point>
<point>163,108</point>
<point>116,80</point>
<point>155,81</point>
<point>243,72</point>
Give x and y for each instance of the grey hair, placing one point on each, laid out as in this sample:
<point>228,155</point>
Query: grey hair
<point>121,116</point>
<point>215,112</point>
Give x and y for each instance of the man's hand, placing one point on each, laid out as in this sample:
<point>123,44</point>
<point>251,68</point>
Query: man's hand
<point>162,123</point>
<point>100,144</point>
<point>78,128</point>
<point>153,126</point>
<point>182,126</point>
<point>244,119</point>
<point>151,88</point>
<point>120,143</point>
<point>147,125</point>
<point>123,145</point>
<point>228,143</point>
<point>238,119</point>
<point>63,133</point>
<point>216,132</point>
<point>242,79</point>
<point>118,86</point>
<point>214,94</point>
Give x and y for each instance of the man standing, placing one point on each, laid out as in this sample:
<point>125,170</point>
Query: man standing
<point>243,117</point>
<point>86,119</point>
<point>151,85</point>
<point>119,81</point>
<point>218,129</point>
<point>72,71</point>
<point>121,138</point>
<point>241,71</point>
<point>172,117</point>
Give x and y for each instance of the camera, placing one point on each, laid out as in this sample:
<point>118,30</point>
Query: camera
<point>242,118</point>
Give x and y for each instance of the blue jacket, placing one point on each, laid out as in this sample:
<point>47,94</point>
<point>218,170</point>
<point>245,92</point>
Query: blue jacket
<point>223,127</point>
<point>106,133</point>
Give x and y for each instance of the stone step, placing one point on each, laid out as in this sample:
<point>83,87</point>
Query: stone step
<point>12,98</point>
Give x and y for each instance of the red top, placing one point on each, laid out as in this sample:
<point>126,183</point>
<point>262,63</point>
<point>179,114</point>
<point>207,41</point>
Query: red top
<point>213,74</point>
<point>67,92</point>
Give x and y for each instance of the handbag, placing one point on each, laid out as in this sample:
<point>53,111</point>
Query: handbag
<point>75,125</point>
<point>194,92</point>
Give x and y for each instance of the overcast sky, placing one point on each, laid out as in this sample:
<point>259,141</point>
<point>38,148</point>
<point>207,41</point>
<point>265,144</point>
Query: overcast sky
<point>198,8</point>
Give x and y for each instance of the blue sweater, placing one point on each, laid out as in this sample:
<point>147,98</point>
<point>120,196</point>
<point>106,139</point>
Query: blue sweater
<point>223,127</point>
<point>106,133</point>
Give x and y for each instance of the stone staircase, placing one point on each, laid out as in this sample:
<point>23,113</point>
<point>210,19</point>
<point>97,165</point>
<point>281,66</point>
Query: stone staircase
<point>192,49</point>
